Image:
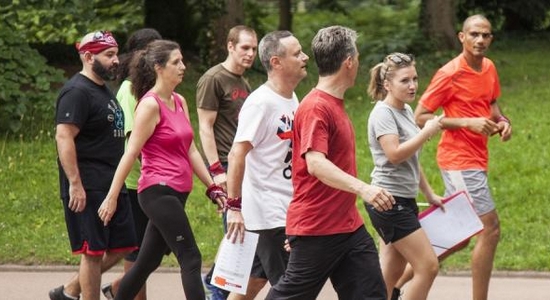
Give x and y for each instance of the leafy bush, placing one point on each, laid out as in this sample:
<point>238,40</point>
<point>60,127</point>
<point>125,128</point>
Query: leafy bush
<point>29,86</point>
<point>509,15</point>
<point>382,28</point>
<point>26,91</point>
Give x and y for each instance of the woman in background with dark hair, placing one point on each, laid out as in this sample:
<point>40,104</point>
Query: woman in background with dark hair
<point>163,134</point>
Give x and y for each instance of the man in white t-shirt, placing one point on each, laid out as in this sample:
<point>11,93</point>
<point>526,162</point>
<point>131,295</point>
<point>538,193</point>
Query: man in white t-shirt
<point>260,158</point>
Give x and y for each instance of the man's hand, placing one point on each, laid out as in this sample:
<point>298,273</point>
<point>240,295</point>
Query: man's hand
<point>381,199</point>
<point>482,126</point>
<point>235,226</point>
<point>433,126</point>
<point>286,246</point>
<point>505,130</point>
<point>77,198</point>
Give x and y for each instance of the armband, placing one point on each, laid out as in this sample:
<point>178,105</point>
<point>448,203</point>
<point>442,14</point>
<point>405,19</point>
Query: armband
<point>502,118</point>
<point>214,192</point>
<point>233,204</point>
<point>216,169</point>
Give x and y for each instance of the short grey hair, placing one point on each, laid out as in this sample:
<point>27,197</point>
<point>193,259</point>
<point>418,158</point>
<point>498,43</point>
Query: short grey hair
<point>331,46</point>
<point>270,46</point>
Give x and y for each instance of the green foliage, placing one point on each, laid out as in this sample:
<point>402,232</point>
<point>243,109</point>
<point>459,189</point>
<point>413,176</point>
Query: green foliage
<point>27,83</point>
<point>382,28</point>
<point>254,14</point>
<point>211,10</point>
<point>121,16</point>
<point>331,5</point>
<point>66,21</point>
<point>509,14</point>
<point>46,21</point>
<point>29,86</point>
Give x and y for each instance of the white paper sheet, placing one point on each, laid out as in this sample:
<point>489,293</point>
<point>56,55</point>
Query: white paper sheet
<point>234,263</point>
<point>447,229</point>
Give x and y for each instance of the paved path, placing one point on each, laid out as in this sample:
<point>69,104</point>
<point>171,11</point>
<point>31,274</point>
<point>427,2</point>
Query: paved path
<point>33,283</point>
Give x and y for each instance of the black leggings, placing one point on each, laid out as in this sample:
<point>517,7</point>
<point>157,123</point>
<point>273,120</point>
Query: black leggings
<point>168,228</point>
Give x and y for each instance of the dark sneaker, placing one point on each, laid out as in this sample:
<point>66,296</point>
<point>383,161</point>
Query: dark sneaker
<point>107,290</point>
<point>57,294</point>
<point>396,294</point>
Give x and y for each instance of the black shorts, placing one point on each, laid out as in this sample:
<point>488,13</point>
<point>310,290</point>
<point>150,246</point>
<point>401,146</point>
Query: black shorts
<point>397,223</point>
<point>140,223</point>
<point>271,258</point>
<point>87,233</point>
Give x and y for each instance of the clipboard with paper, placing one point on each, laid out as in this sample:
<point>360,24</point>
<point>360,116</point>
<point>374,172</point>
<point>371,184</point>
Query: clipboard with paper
<point>446,229</point>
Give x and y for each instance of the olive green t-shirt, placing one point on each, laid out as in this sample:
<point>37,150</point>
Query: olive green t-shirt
<point>225,92</point>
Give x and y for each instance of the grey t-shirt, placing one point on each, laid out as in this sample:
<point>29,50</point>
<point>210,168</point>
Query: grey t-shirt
<point>400,180</point>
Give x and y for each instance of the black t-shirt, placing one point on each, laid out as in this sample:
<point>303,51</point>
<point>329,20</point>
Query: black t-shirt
<point>95,111</point>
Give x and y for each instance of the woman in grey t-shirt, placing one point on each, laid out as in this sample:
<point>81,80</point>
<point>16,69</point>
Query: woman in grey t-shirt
<point>395,142</point>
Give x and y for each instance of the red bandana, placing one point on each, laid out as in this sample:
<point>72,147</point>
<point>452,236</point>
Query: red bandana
<point>100,41</point>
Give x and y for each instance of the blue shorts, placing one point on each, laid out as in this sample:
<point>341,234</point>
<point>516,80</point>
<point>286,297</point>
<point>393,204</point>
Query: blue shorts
<point>87,233</point>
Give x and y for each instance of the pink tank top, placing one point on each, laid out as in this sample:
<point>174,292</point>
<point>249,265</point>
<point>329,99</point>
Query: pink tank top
<point>165,155</point>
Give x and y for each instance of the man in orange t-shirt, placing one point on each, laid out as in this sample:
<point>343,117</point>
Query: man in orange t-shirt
<point>467,89</point>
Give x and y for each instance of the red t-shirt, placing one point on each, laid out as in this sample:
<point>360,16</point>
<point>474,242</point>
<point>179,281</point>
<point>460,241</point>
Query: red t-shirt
<point>462,92</point>
<point>321,124</point>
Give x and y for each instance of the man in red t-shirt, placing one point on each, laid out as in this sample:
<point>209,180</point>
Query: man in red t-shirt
<point>326,232</point>
<point>467,89</point>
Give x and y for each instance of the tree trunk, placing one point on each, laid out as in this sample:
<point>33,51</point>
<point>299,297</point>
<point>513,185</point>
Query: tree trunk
<point>234,15</point>
<point>437,23</point>
<point>285,15</point>
<point>172,19</point>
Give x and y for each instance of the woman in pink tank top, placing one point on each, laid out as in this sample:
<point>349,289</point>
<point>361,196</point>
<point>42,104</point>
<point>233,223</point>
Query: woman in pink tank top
<point>163,135</point>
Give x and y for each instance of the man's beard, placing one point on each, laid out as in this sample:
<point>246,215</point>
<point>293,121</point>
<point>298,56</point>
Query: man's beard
<point>102,72</point>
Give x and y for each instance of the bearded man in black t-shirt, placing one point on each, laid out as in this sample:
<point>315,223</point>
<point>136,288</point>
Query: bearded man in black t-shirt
<point>90,142</point>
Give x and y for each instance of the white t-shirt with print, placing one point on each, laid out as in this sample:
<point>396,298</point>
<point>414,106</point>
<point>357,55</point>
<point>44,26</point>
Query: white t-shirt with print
<point>266,121</point>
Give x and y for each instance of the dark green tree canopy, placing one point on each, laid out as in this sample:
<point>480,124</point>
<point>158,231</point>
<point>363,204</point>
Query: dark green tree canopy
<point>30,82</point>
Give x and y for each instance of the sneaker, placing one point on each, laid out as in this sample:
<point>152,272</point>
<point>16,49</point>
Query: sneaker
<point>396,294</point>
<point>214,292</point>
<point>57,294</point>
<point>107,290</point>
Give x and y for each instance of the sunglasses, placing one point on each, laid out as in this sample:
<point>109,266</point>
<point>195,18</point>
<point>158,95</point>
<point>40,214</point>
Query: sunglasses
<point>400,58</point>
<point>100,41</point>
<point>101,35</point>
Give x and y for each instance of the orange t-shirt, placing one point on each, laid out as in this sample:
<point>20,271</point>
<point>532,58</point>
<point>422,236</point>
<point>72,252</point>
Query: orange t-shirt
<point>462,93</point>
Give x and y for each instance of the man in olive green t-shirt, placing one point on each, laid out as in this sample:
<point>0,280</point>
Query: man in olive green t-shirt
<point>221,92</point>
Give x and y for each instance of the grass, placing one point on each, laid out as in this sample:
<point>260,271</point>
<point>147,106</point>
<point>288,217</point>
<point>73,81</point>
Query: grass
<point>32,229</point>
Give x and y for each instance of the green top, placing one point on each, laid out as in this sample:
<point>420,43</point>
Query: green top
<point>128,103</point>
